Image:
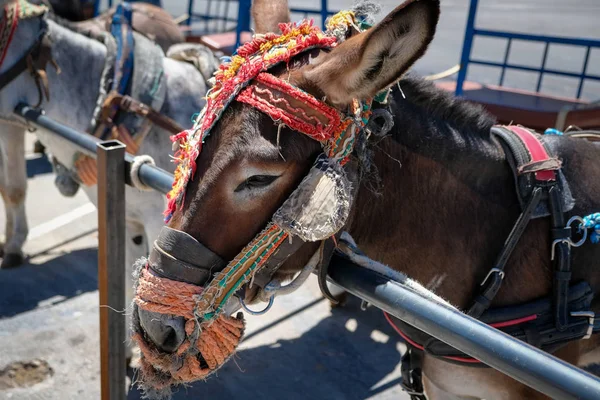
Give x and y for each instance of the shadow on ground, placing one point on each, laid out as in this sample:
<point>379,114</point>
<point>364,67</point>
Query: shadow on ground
<point>31,286</point>
<point>329,361</point>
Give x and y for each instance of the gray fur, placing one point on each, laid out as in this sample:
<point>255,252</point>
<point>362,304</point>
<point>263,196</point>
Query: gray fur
<point>73,96</point>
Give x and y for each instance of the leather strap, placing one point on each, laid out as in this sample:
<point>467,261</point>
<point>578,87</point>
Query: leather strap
<point>538,153</point>
<point>177,255</point>
<point>411,370</point>
<point>22,64</point>
<point>562,259</point>
<point>116,102</point>
<point>493,281</point>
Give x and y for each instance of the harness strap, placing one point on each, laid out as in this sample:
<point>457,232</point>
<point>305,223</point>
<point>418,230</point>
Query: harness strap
<point>492,282</point>
<point>122,32</point>
<point>562,259</point>
<point>411,369</point>
<point>116,102</point>
<point>8,28</point>
<point>526,155</point>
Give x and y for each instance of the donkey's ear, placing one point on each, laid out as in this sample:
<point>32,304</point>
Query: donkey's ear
<point>268,14</point>
<point>373,60</point>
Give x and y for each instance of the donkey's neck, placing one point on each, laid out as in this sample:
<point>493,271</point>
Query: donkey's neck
<point>73,92</point>
<point>442,215</point>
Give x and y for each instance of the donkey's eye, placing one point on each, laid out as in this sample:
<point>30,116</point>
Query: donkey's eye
<point>257,181</point>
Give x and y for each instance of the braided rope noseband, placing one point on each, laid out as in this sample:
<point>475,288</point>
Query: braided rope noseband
<point>244,78</point>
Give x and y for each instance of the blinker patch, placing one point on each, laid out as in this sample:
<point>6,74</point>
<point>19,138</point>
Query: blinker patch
<point>319,207</point>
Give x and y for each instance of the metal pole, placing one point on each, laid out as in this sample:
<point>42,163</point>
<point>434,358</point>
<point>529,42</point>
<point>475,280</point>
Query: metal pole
<point>157,178</point>
<point>111,268</point>
<point>467,46</point>
<point>500,351</point>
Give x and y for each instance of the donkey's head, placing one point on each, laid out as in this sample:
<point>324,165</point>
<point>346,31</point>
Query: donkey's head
<point>267,172</point>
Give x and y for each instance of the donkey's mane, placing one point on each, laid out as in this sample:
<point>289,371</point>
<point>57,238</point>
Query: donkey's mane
<point>442,105</point>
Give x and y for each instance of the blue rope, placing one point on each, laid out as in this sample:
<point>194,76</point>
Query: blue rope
<point>592,222</point>
<point>552,131</point>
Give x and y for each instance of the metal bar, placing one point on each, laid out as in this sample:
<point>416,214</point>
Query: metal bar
<point>243,20</point>
<point>225,15</point>
<point>190,12</point>
<point>506,55</point>
<point>157,178</point>
<point>538,38</point>
<point>323,13</point>
<point>467,47</point>
<point>516,359</point>
<point>542,68</point>
<point>206,21</point>
<point>526,68</point>
<point>585,65</point>
<point>111,271</point>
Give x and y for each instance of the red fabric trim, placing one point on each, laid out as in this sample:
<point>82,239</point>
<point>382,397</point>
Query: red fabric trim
<point>468,360</point>
<point>13,28</point>
<point>536,150</point>
<point>279,108</point>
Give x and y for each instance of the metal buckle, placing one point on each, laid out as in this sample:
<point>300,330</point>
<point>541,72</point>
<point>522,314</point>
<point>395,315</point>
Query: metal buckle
<point>497,270</point>
<point>261,312</point>
<point>590,315</point>
<point>568,241</point>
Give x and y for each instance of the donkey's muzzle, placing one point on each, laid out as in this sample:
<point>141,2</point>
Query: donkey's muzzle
<point>167,332</point>
<point>177,256</point>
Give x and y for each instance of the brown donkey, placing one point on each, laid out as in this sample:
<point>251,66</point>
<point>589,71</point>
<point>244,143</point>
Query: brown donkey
<point>436,198</point>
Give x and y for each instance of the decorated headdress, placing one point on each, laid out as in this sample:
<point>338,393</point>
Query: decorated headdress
<point>315,211</point>
<point>236,73</point>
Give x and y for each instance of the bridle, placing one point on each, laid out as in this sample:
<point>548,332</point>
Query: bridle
<point>36,57</point>
<point>315,212</point>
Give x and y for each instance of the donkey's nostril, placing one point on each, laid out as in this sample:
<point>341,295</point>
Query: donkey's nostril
<point>167,332</point>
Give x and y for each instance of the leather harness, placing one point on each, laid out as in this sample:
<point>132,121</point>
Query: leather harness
<point>34,60</point>
<point>547,323</point>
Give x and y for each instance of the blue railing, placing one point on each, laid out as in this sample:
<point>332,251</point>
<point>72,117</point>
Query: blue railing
<point>471,32</point>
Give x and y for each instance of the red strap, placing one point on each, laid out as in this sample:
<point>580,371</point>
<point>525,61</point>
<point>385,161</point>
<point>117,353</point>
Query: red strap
<point>536,150</point>
<point>13,28</point>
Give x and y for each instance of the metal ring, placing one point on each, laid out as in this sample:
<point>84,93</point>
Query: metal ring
<point>581,222</point>
<point>261,312</point>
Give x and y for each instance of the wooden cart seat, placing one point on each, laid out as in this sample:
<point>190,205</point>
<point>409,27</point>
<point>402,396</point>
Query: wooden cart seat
<point>224,42</point>
<point>535,110</point>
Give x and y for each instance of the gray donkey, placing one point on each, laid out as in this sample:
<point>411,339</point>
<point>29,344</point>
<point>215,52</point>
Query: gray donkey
<point>74,89</point>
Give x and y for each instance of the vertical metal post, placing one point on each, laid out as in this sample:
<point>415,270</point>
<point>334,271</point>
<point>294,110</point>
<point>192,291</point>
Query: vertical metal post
<point>506,55</point>
<point>243,20</point>
<point>324,10</point>
<point>190,12</point>
<point>111,267</point>
<point>467,46</point>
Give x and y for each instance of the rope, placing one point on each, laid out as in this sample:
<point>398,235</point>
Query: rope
<point>444,74</point>
<point>138,161</point>
<point>207,345</point>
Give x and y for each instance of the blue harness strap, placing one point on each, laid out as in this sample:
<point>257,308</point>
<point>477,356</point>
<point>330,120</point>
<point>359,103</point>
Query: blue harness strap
<point>123,34</point>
